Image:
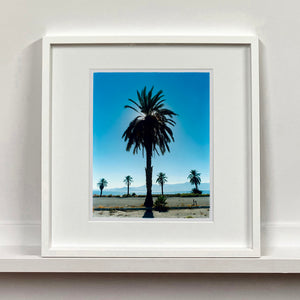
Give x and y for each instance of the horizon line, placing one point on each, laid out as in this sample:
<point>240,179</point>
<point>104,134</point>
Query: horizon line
<point>131,186</point>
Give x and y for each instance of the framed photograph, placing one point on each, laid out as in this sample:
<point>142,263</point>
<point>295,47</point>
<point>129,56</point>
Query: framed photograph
<point>150,147</point>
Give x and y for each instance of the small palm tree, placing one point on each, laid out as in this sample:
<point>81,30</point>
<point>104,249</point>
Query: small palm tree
<point>150,131</point>
<point>194,178</point>
<point>102,184</point>
<point>128,180</point>
<point>161,179</point>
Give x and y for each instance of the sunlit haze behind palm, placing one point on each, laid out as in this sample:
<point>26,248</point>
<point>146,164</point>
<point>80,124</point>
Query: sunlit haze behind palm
<point>186,93</point>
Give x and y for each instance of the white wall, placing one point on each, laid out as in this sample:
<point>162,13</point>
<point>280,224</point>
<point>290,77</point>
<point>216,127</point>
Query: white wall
<point>24,22</point>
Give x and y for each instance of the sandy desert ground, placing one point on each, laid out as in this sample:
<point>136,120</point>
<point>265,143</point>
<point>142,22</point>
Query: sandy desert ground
<point>136,203</point>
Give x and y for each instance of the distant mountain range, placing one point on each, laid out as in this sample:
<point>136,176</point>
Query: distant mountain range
<point>168,188</point>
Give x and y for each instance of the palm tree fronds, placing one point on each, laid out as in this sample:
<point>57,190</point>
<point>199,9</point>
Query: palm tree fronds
<point>149,132</point>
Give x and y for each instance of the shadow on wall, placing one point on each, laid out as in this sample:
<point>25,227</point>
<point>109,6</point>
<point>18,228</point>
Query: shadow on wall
<point>29,94</point>
<point>266,159</point>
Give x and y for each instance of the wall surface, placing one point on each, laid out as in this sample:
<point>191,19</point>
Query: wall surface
<point>22,25</point>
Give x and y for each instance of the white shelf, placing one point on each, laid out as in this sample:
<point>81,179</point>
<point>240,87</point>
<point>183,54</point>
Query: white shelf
<point>280,254</point>
<point>27,259</point>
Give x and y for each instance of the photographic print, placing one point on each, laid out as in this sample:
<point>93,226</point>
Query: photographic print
<point>151,144</point>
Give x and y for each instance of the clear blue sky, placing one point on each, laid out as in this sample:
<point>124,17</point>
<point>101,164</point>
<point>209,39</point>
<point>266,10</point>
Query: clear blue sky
<point>186,93</point>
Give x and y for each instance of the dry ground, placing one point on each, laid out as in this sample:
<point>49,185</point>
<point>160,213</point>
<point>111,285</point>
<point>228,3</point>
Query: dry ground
<point>137,202</point>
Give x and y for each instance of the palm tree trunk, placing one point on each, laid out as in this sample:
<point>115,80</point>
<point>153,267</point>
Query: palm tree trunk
<point>101,193</point>
<point>162,189</point>
<point>128,190</point>
<point>196,186</point>
<point>148,201</point>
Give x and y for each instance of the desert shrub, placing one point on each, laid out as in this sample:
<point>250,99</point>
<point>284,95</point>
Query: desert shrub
<point>160,204</point>
<point>196,191</point>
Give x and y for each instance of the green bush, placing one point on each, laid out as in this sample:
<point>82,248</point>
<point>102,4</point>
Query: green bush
<point>196,191</point>
<point>160,204</point>
<point>185,195</point>
<point>133,194</point>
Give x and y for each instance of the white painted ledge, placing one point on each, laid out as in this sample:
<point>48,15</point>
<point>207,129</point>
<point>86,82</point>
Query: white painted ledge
<point>20,252</point>
<point>27,259</point>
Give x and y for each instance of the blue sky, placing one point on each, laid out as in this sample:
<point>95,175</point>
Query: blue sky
<point>186,93</point>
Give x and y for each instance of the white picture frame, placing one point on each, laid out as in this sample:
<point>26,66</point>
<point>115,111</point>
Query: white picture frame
<point>61,235</point>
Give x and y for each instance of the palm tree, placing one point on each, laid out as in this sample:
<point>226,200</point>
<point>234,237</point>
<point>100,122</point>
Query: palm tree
<point>150,131</point>
<point>128,180</point>
<point>194,178</point>
<point>161,179</point>
<point>102,184</point>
